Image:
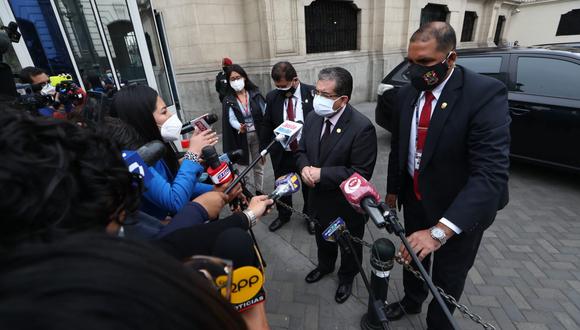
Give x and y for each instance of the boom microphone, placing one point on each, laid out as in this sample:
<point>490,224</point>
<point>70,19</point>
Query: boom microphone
<point>152,152</point>
<point>202,123</point>
<point>363,197</point>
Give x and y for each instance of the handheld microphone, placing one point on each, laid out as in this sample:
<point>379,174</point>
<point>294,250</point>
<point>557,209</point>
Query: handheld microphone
<point>202,123</point>
<point>218,171</point>
<point>285,185</point>
<point>363,197</point>
<point>147,155</point>
<point>337,232</point>
<point>287,132</point>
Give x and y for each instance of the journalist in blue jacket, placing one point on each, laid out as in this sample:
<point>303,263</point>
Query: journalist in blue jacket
<point>173,184</point>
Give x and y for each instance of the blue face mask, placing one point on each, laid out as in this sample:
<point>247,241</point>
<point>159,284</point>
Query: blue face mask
<point>323,106</point>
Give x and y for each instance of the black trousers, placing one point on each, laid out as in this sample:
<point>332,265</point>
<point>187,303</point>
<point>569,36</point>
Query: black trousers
<point>450,265</point>
<point>288,165</point>
<point>328,251</point>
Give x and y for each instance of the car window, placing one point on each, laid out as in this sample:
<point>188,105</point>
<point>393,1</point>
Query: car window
<point>402,75</point>
<point>486,65</point>
<point>548,77</point>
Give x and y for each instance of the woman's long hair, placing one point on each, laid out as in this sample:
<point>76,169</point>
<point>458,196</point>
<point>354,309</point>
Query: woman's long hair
<point>99,282</point>
<point>249,85</point>
<point>135,106</point>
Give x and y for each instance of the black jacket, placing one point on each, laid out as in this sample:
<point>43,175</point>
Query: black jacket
<point>231,139</point>
<point>221,85</point>
<point>274,116</point>
<point>352,147</point>
<point>464,168</point>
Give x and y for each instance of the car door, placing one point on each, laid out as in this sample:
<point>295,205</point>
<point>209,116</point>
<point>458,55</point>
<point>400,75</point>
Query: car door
<point>544,100</point>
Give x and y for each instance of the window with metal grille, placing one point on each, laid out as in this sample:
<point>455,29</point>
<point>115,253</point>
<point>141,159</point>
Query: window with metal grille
<point>433,12</point>
<point>569,23</point>
<point>468,26</point>
<point>331,26</point>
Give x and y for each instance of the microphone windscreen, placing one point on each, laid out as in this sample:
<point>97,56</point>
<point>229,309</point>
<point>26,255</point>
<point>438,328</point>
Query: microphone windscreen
<point>211,118</point>
<point>151,152</point>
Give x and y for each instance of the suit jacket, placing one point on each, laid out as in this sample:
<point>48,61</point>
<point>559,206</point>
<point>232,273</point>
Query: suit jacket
<point>352,147</point>
<point>463,172</point>
<point>274,117</point>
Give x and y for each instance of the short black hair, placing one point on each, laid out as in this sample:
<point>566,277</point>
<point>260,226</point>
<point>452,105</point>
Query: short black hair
<point>98,282</point>
<point>341,77</point>
<point>283,70</point>
<point>122,133</point>
<point>442,32</point>
<point>28,72</point>
<point>57,177</point>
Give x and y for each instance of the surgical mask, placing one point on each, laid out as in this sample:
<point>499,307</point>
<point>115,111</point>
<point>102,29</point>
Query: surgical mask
<point>426,78</point>
<point>323,106</point>
<point>48,89</point>
<point>237,85</point>
<point>171,129</point>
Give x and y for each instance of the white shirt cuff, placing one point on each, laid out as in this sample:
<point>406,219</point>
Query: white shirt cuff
<point>451,226</point>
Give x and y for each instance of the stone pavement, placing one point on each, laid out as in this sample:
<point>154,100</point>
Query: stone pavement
<point>526,276</point>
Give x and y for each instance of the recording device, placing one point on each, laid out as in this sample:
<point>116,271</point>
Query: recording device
<point>138,161</point>
<point>289,130</point>
<point>285,185</point>
<point>363,197</point>
<point>69,92</point>
<point>202,123</point>
<point>285,133</point>
<point>8,34</point>
<point>11,31</point>
<point>218,171</point>
<point>29,97</point>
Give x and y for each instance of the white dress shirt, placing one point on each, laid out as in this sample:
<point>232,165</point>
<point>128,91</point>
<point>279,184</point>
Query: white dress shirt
<point>333,120</point>
<point>413,136</point>
<point>297,107</point>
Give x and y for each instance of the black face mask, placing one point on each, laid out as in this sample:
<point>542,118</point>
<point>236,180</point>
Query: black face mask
<point>290,92</point>
<point>426,78</point>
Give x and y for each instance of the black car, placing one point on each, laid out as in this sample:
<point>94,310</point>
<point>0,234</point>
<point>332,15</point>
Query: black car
<point>544,98</point>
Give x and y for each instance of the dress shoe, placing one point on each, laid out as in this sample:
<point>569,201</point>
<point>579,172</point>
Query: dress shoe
<point>343,292</point>
<point>314,276</point>
<point>397,310</point>
<point>311,227</point>
<point>277,224</point>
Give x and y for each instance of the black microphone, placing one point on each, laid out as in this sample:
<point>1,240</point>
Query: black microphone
<point>218,171</point>
<point>202,123</point>
<point>151,152</point>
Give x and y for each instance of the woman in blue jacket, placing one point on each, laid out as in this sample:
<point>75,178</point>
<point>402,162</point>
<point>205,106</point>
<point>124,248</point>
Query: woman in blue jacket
<point>173,184</point>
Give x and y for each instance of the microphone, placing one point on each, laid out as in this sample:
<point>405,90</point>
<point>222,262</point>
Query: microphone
<point>202,123</point>
<point>337,232</point>
<point>287,132</point>
<point>218,171</point>
<point>285,185</point>
<point>232,157</point>
<point>247,278</point>
<point>363,197</point>
<point>147,155</point>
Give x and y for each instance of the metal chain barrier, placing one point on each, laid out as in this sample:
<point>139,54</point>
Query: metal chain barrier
<point>450,299</point>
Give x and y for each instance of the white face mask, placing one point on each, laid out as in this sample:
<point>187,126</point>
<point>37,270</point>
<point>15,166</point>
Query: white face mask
<point>171,129</point>
<point>323,106</point>
<point>48,89</point>
<point>284,88</point>
<point>237,85</point>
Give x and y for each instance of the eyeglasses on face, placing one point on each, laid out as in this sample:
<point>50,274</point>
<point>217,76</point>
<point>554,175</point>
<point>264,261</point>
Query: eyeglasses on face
<point>323,94</point>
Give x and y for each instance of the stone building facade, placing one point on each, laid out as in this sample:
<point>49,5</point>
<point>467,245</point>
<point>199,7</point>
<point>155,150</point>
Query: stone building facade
<point>258,33</point>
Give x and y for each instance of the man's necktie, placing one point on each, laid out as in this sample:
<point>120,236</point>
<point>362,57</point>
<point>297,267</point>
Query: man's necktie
<point>422,127</point>
<point>326,134</point>
<point>290,115</point>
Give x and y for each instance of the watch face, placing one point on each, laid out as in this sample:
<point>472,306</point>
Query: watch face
<point>438,232</point>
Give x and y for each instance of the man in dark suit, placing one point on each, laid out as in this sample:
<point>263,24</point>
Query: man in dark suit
<point>291,100</point>
<point>448,165</point>
<point>337,141</point>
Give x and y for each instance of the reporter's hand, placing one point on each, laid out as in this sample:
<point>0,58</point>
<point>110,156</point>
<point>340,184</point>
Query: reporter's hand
<point>212,202</point>
<point>391,200</point>
<point>201,139</point>
<point>235,192</point>
<point>259,205</point>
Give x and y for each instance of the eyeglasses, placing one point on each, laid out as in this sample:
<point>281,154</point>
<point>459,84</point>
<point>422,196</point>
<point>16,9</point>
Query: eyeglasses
<point>323,94</point>
<point>216,270</point>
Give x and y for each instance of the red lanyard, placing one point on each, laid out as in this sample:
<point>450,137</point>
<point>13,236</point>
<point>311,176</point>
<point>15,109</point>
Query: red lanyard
<point>245,109</point>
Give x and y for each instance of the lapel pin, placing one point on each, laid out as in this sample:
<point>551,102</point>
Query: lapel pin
<point>443,105</point>
<point>306,101</point>
<point>338,130</point>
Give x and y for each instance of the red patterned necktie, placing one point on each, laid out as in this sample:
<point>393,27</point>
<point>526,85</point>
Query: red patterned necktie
<point>422,127</point>
<point>290,113</point>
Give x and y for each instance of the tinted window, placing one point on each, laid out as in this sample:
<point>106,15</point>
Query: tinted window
<point>402,73</point>
<point>548,77</point>
<point>487,65</point>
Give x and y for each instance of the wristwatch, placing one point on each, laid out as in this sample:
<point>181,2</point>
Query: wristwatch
<point>191,156</point>
<point>251,218</point>
<point>438,234</point>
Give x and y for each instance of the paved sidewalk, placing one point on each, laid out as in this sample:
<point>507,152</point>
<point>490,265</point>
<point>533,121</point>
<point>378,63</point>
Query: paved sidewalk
<point>526,276</point>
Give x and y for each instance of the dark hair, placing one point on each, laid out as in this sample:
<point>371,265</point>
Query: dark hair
<point>56,177</point>
<point>135,105</point>
<point>341,77</point>
<point>283,70</point>
<point>101,282</point>
<point>122,133</point>
<point>28,72</point>
<point>249,85</point>
<point>94,80</point>
<point>443,33</point>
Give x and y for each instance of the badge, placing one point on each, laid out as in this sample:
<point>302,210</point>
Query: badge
<point>443,105</point>
<point>338,130</point>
